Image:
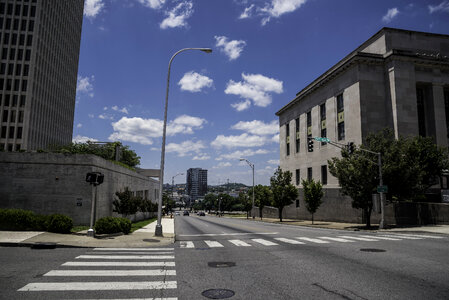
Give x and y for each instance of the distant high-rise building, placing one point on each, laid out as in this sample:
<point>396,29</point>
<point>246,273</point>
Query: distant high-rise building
<point>196,183</point>
<point>39,46</point>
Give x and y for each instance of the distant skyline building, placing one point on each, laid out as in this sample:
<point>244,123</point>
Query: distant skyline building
<point>196,183</point>
<point>39,45</point>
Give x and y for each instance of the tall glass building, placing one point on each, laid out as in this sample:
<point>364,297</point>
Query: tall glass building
<point>39,51</point>
<point>196,184</point>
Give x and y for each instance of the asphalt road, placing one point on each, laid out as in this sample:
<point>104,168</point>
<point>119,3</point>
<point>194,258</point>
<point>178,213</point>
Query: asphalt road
<point>413,266</point>
<point>246,259</point>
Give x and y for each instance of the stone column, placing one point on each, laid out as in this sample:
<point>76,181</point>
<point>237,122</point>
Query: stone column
<point>439,115</point>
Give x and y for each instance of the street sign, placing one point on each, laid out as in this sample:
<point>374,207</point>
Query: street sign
<point>322,139</point>
<point>382,189</point>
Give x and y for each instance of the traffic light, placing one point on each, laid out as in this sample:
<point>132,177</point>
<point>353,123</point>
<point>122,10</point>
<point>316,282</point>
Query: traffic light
<point>351,147</point>
<point>310,144</point>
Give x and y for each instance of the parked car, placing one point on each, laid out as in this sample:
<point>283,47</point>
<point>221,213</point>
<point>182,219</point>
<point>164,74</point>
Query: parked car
<point>185,213</point>
<point>202,214</point>
<point>177,213</point>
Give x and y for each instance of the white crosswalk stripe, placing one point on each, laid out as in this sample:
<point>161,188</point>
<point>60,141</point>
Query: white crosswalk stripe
<point>317,240</point>
<point>264,242</point>
<point>239,243</point>
<point>289,241</point>
<point>213,244</point>
<point>188,244</point>
<point>334,239</point>
<point>312,240</point>
<point>156,263</point>
<point>358,238</point>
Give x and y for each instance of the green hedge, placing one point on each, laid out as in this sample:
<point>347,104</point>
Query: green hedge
<point>19,220</point>
<point>112,225</point>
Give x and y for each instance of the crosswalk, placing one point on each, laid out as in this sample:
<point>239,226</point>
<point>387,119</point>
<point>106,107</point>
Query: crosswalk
<point>301,240</point>
<point>151,270</point>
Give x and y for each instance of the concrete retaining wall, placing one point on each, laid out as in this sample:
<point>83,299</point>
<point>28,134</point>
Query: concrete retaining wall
<point>49,183</point>
<point>338,208</point>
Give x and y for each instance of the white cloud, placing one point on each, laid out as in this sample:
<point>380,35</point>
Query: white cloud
<point>391,14</point>
<point>85,86</point>
<point>185,148</point>
<point>122,110</point>
<point>241,106</point>
<point>271,9</point>
<point>178,15</point>
<point>258,127</point>
<point>201,156</point>
<point>222,165</point>
<point>247,12</point>
<point>143,131</point>
<point>154,4</point>
<point>275,138</point>
<point>79,125</point>
<point>194,82</point>
<point>273,161</point>
<point>231,48</point>
<point>106,117</point>
<point>243,140</point>
<point>241,154</point>
<point>83,139</point>
<point>91,116</point>
<point>92,8</point>
<point>255,87</point>
<point>442,7</point>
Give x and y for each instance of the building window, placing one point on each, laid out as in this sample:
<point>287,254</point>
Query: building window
<point>309,174</point>
<point>5,115</point>
<point>297,134</point>
<point>19,132</point>
<point>287,138</point>
<point>420,97</point>
<point>324,175</point>
<point>298,180</point>
<point>3,132</point>
<point>309,126</point>
<point>340,117</point>
<point>11,132</point>
<point>323,122</point>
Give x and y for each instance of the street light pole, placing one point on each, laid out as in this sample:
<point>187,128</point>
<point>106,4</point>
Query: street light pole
<point>173,183</point>
<point>252,167</point>
<point>158,230</point>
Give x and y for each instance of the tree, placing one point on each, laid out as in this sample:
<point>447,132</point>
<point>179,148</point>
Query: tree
<point>283,191</point>
<point>210,202</point>
<point>262,196</point>
<point>246,201</point>
<point>127,203</point>
<point>313,192</point>
<point>357,176</point>
<point>167,202</point>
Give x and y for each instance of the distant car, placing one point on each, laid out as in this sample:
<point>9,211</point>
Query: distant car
<point>201,213</point>
<point>177,213</point>
<point>185,213</point>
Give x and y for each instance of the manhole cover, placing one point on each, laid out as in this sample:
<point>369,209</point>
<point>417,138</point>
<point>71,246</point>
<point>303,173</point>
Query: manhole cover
<point>151,240</point>
<point>372,250</point>
<point>218,294</point>
<point>221,264</point>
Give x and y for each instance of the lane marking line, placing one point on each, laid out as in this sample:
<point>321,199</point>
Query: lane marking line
<point>335,239</point>
<point>312,240</point>
<point>224,234</point>
<point>125,257</point>
<point>359,238</point>
<point>381,238</point>
<point>120,263</point>
<point>133,249</point>
<point>186,244</point>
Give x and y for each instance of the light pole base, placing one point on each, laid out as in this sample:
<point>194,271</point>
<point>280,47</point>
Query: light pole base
<point>91,232</point>
<point>158,231</point>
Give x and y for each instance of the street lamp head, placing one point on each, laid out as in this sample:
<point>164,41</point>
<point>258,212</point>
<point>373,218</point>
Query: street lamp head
<point>207,50</point>
<point>242,159</point>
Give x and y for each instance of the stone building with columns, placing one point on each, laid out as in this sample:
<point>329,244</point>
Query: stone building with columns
<point>397,79</point>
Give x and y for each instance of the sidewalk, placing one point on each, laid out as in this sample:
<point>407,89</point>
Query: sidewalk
<point>140,238</point>
<point>441,229</point>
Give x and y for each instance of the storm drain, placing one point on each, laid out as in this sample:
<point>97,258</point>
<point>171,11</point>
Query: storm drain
<point>218,294</point>
<point>372,250</point>
<point>220,264</point>
<point>151,240</point>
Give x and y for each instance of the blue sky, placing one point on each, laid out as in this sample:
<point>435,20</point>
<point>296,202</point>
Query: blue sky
<point>221,105</point>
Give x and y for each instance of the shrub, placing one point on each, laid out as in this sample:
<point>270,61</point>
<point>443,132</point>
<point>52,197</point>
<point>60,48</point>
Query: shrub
<point>17,219</point>
<point>59,223</point>
<point>125,225</point>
